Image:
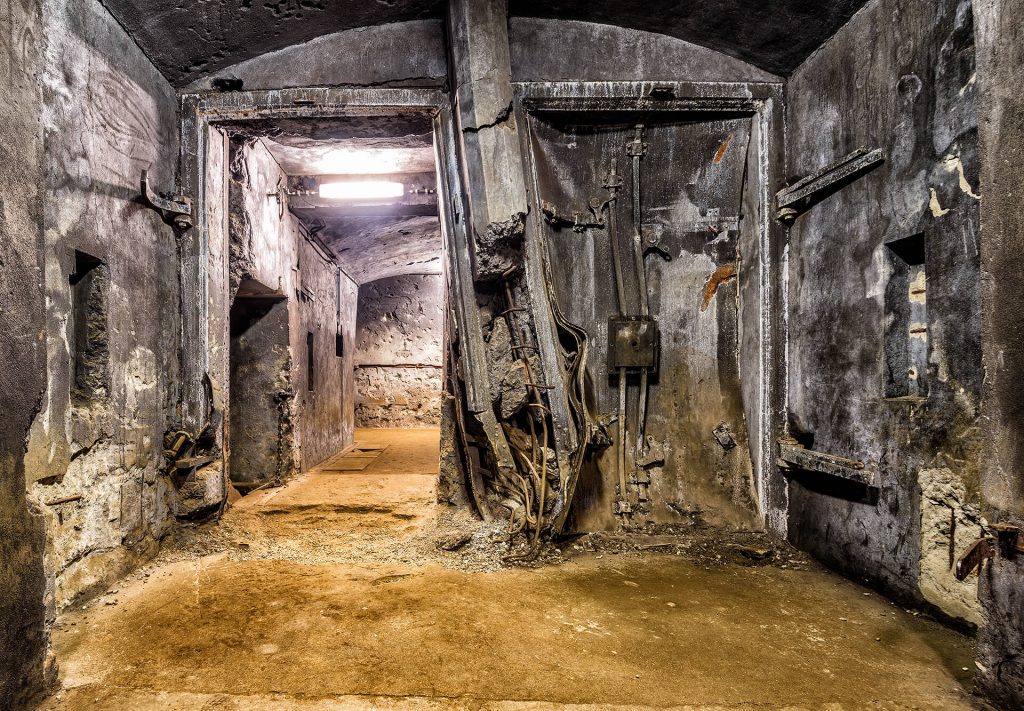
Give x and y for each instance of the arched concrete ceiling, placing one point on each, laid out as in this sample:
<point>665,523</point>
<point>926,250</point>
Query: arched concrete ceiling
<point>372,248</point>
<point>187,40</point>
<point>775,35</point>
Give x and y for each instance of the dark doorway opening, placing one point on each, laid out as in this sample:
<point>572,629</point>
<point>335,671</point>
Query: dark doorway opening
<point>261,396</point>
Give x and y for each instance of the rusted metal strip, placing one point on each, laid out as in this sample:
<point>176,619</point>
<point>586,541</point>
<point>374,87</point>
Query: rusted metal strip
<point>982,549</point>
<point>795,456</point>
<point>801,195</point>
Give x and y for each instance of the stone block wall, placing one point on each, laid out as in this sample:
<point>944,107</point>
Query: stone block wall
<point>398,353</point>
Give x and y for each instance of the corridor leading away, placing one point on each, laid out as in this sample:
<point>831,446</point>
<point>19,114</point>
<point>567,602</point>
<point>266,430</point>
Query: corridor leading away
<point>336,591</point>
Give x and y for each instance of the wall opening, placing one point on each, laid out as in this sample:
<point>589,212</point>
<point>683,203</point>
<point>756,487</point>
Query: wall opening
<point>906,313</point>
<point>89,340</point>
<point>322,250</point>
<point>261,398</point>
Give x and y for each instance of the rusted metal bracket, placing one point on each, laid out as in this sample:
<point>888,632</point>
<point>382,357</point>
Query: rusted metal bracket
<point>175,210</point>
<point>1011,538</point>
<point>794,199</point>
<point>982,549</point>
<point>1007,541</point>
<point>793,456</point>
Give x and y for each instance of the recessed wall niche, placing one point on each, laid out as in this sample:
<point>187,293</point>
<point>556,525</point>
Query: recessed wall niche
<point>906,311</point>
<point>89,341</point>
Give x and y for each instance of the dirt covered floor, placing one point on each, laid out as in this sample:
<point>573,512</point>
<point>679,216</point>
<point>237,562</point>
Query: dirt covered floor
<point>354,590</point>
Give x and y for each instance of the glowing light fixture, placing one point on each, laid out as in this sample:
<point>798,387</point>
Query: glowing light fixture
<point>362,190</point>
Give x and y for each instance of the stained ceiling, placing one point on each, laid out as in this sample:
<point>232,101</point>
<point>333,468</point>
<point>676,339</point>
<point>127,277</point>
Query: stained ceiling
<point>189,39</point>
<point>373,246</point>
<point>350,156</point>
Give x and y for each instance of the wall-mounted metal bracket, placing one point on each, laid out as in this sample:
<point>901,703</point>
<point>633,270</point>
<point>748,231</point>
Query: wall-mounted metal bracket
<point>794,457</point>
<point>1011,538</point>
<point>580,221</point>
<point>983,549</point>
<point>797,198</point>
<point>1007,541</point>
<point>175,210</point>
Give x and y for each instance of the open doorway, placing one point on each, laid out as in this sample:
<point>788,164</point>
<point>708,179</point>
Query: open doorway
<point>333,225</point>
<point>261,399</point>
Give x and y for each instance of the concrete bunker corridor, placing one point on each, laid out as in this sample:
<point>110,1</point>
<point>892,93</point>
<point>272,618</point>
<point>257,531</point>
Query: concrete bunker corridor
<point>344,577</point>
<point>505,354</point>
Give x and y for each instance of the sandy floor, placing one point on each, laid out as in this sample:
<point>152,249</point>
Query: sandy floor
<point>332,593</point>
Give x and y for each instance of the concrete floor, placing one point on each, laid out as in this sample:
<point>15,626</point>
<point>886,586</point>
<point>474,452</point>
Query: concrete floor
<point>324,595</point>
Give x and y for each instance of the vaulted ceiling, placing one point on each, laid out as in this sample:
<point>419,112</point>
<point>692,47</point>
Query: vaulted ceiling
<point>187,39</point>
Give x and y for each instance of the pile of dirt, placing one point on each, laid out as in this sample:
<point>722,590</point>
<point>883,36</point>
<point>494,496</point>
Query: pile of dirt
<point>452,537</point>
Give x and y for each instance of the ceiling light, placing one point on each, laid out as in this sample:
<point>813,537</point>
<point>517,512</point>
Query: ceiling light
<point>362,190</point>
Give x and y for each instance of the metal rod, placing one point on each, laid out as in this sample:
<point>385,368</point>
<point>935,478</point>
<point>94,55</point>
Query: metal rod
<point>641,442</point>
<point>613,183</point>
<point>622,434</point>
<point>637,148</point>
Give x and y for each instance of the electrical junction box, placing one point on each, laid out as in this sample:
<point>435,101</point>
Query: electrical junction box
<point>632,343</point>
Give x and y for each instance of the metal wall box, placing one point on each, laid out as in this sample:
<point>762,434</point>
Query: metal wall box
<point>632,343</point>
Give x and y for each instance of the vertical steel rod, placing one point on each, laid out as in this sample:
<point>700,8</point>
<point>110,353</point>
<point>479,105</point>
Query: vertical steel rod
<point>637,149</point>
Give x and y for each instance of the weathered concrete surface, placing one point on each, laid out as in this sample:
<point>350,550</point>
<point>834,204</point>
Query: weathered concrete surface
<point>775,36</point>
<point>608,53</point>
<point>23,613</point>
<point>491,155</point>
<point>398,351</point>
<point>301,155</point>
<point>912,95</point>
<point>999,34</point>
<point>397,54</point>
<point>327,405</point>
<point>190,41</point>
<point>267,246</point>
<point>372,248</point>
<point>401,321</point>
<point>107,115</point>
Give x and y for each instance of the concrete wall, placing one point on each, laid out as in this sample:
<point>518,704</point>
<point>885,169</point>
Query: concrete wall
<point>83,496</point>
<point>326,412</point>
<point>399,351</point>
<point>23,640</point>
<point>565,50</point>
<point>107,115</point>
<point>268,248</point>
<point>900,77</point>
<point>1000,49</point>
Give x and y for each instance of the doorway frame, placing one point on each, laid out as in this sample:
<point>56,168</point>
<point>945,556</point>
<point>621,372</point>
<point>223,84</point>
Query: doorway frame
<point>204,257</point>
<point>763,103</point>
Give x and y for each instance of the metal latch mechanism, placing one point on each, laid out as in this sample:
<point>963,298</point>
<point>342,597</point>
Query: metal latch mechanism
<point>175,210</point>
<point>1008,540</point>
